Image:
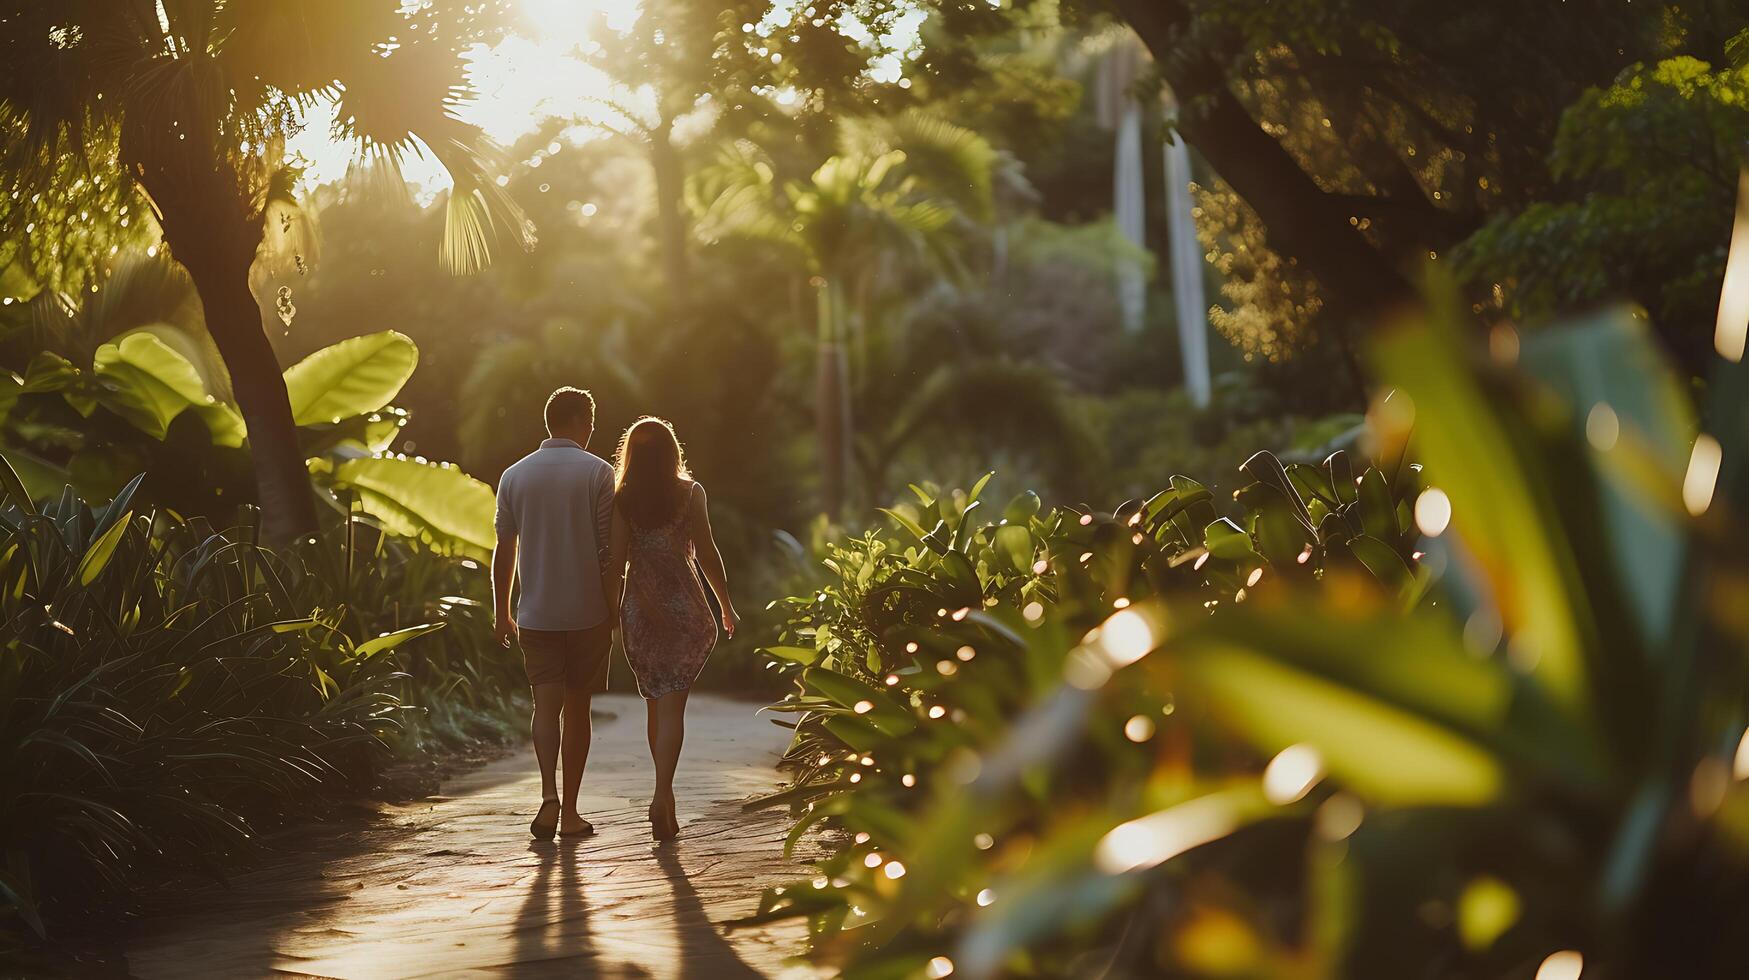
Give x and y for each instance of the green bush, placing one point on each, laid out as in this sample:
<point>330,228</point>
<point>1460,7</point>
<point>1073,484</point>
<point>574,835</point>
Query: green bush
<point>166,689</point>
<point>1154,741</point>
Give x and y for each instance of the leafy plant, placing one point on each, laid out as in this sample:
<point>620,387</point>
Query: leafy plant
<point>142,404</point>
<point>1529,757</point>
<point>892,199</point>
<point>179,118</point>
<point>166,690</point>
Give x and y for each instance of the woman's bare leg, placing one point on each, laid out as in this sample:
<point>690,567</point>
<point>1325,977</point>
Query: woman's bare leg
<point>670,714</point>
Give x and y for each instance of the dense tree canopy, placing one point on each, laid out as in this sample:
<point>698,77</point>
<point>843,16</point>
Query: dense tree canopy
<point>1361,139</point>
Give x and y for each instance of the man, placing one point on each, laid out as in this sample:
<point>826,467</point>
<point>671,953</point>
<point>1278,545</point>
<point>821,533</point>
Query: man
<point>555,511</point>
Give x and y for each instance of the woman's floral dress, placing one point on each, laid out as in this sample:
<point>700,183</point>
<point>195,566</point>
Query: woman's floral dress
<point>665,621</point>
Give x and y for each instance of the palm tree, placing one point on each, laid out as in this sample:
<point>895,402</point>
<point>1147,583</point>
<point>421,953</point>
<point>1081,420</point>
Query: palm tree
<point>661,65</point>
<point>889,203</point>
<point>185,105</point>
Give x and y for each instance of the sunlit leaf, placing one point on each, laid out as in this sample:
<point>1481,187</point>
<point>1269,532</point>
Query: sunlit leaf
<point>438,504</point>
<point>353,377</point>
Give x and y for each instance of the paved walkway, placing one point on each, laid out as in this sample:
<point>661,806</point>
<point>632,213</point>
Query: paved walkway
<point>452,886</point>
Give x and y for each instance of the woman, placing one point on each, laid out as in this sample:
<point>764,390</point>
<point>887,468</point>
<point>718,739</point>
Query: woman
<point>661,526</point>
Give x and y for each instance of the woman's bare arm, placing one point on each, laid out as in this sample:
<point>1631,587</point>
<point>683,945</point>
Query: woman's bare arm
<point>710,560</point>
<point>614,581</point>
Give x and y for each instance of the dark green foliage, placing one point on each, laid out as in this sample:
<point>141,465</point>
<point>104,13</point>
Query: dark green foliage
<point>1648,166</point>
<point>167,690</point>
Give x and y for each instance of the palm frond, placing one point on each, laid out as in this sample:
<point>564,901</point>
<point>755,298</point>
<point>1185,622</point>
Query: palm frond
<point>955,162</point>
<point>738,197</point>
<point>480,212</point>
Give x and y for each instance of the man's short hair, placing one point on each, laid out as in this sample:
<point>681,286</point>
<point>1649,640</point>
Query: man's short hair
<point>569,408</point>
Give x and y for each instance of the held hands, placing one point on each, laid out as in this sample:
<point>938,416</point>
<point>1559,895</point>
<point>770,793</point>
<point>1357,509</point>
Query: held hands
<point>730,621</point>
<point>505,630</point>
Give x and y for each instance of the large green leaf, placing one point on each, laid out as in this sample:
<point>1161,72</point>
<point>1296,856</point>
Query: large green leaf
<point>1376,693</point>
<point>11,386</point>
<point>1502,505</point>
<point>150,384</point>
<point>434,502</point>
<point>1389,755</point>
<point>350,378</point>
<point>1611,373</point>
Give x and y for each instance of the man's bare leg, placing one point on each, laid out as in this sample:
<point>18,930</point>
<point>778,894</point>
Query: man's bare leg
<point>577,731</point>
<point>549,700</point>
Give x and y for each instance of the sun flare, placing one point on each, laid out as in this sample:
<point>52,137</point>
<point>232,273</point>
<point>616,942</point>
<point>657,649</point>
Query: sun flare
<point>535,74</point>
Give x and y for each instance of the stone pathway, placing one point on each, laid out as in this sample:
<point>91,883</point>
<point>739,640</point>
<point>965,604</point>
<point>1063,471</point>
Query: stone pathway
<point>452,886</point>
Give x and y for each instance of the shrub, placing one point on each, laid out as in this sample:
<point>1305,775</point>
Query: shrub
<point>1529,756</point>
<point>166,689</point>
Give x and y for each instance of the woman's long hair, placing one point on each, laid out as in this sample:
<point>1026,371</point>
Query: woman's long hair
<point>650,473</point>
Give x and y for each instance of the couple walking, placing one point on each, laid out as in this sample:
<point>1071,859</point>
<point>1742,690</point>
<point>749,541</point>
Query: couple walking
<point>594,547</point>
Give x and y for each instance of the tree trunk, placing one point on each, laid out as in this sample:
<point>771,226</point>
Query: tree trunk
<point>670,222</point>
<point>831,401</point>
<point>1129,207</point>
<point>1304,223</point>
<point>213,230</point>
<point>1186,258</point>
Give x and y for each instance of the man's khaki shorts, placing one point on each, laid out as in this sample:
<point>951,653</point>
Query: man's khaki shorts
<point>575,658</point>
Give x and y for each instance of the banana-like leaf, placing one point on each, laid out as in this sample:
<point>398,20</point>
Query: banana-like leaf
<point>436,503</point>
<point>49,371</point>
<point>150,384</point>
<point>353,377</point>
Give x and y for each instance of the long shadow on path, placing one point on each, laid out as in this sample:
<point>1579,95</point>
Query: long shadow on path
<point>704,953</point>
<point>451,885</point>
<point>552,927</point>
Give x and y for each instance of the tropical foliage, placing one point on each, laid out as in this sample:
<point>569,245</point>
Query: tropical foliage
<point>1500,756</point>
<point>176,116</point>
<point>170,690</point>
<point>1296,706</point>
<point>144,396</point>
<point>880,210</point>
<point>1671,132</point>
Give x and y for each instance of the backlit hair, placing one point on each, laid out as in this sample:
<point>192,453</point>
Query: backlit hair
<point>568,407</point>
<point>650,474</point>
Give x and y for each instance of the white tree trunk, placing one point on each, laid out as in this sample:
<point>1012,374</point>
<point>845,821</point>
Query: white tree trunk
<point>1129,203</point>
<point>1187,262</point>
